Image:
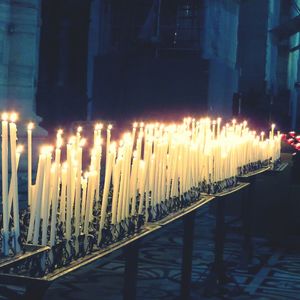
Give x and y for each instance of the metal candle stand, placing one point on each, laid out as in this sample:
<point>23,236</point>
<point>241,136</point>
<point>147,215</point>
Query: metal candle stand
<point>36,262</point>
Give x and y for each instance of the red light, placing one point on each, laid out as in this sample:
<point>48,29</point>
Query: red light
<point>292,133</point>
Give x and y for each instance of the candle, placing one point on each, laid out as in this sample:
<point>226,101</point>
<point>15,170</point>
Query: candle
<point>116,185</point>
<point>19,150</point>
<point>54,202</point>
<point>45,196</point>
<point>69,196</point>
<point>108,172</point>
<point>5,212</point>
<point>30,126</point>
<point>84,186</point>
<point>38,196</point>
<point>63,192</point>
<point>14,178</point>
<point>78,191</point>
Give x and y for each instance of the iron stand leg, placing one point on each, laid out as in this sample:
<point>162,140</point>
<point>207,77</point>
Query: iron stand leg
<point>131,253</point>
<point>247,245</point>
<point>218,276</point>
<point>187,255</point>
<point>219,267</point>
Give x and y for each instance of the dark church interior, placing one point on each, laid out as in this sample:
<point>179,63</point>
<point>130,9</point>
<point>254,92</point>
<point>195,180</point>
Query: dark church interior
<point>76,63</point>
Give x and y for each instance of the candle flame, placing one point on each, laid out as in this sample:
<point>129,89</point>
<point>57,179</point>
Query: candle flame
<point>46,149</point>
<point>4,116</point>
<point>30,126</point>
<point>13,117</point>
<point>98,126</point>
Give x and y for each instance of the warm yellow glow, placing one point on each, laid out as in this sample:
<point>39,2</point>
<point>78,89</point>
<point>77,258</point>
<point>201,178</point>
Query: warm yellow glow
<point>79,129</point>
<point>59,142</point>
<point>30,126</point>
<point>82,142</point>
<point>4,116</point>
<point>98,126</point>
<point>46,149</point>
<point>109,127</point>
<point>13,117</point>
<point>72,139</point>
<point>112,147</point>
<point>134,125</point>
<point>20,148</point>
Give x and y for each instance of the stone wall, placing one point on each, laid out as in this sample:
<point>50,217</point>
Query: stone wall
<point>19,54</point>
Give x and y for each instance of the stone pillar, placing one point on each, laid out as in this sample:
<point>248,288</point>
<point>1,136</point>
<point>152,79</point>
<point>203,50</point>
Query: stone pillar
<point>219,46</point>
<point>4,50</point>
<point>19,48</point>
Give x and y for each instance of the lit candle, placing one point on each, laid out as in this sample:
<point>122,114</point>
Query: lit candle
<point>38,201</point>
<point>14,178</point>
<point>11,186</point>
<point>78,191</point>
<point>5,213</point>
<point>45,196</point>
<point>107,180</point>
<point>54,202</point>
<point>69,195</point>
<point>116,185</point>
<point>63,192</point>
<point>30,126</point>
<point>84,186</point>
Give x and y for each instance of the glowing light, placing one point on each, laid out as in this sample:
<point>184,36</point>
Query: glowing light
<point>4,116</point>
<point>30,126</point>
<point>13,117</point>
<point>98,126</point>
<point>20,148</point>
<point>82,142</point>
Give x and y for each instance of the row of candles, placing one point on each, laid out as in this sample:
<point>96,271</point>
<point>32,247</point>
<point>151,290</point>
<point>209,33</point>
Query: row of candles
<point>151,164</point>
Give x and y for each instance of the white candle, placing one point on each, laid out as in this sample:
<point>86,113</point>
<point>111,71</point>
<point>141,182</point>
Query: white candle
<point>13,140</point>
<point>78,191</point>
<point>29,158</point>
<point>84,186</point>
<point>5,212</point>
<point>45,199</point>
<point>116,185</point>
<point>38,200</point>
<point>69,196</point>
<point>108,172</point>
<point>62,211</point>
<point>11,186</point>
<point>54,203</point>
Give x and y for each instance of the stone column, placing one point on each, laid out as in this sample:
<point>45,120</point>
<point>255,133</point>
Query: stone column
<point>4,50</point>
<point>19,48</point>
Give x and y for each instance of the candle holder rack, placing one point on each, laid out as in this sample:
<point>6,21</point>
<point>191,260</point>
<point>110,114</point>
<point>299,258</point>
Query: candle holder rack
<point>253,167</point>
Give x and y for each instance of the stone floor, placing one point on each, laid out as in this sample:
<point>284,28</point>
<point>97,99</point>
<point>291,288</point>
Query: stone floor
<point>274,272</point>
